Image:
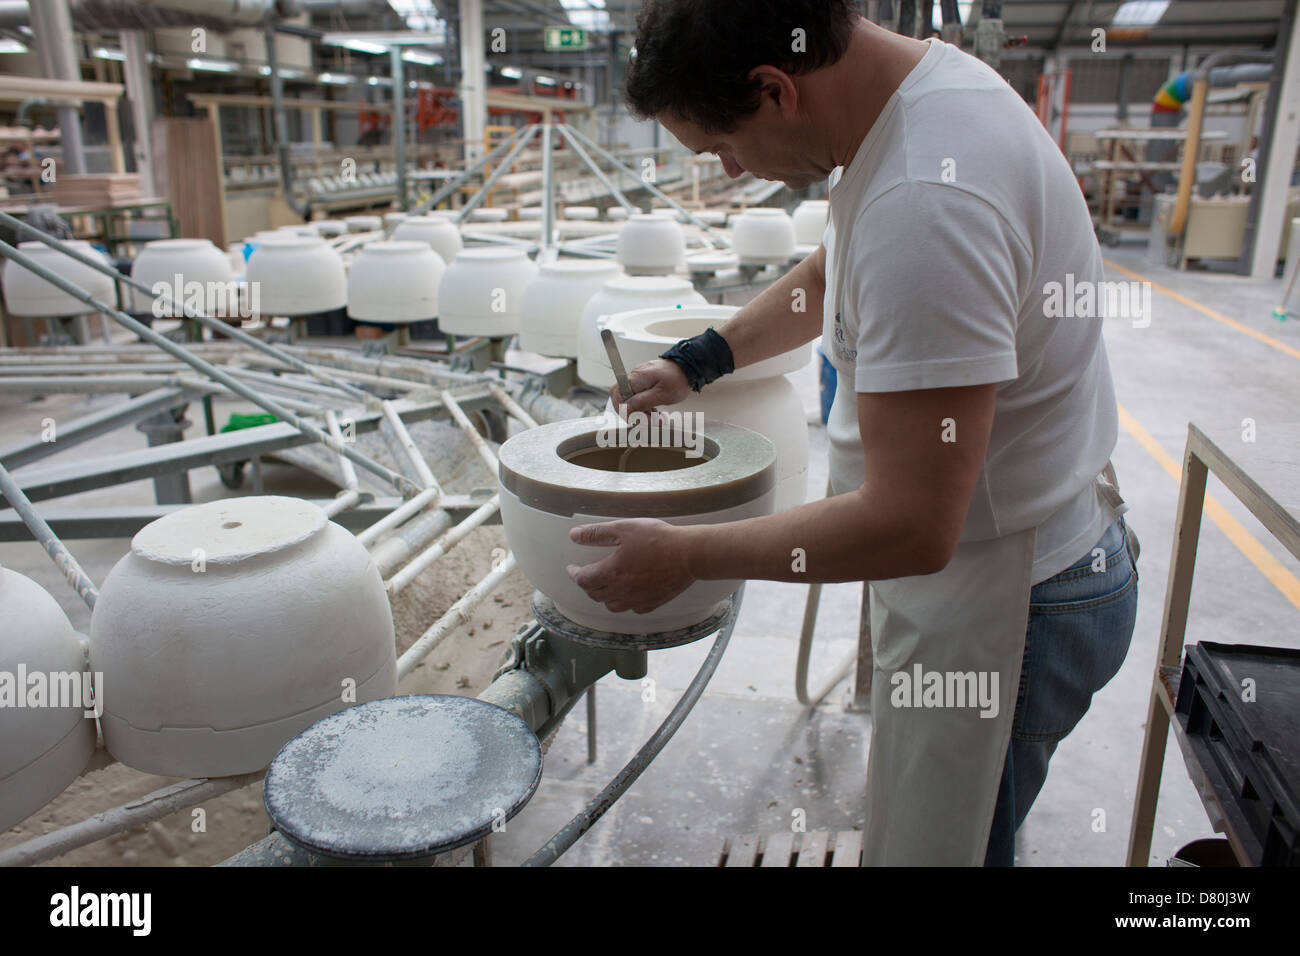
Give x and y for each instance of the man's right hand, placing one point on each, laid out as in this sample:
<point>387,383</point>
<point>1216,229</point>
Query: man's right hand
<point>656,383</point>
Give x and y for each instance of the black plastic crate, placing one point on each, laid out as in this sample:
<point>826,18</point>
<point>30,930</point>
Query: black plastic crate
<point>1249,750</point>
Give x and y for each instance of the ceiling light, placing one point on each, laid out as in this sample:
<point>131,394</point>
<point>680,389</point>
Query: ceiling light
<point>355,44</point>
<point>512,73</point>
<point>379,41</point>
<point>338,79</point>
<point>102,53</point>
<point>587,14</point>
<point>212,66</point>
<point>1140,13</point>
<point>424,59</point>
<point>545,81</point>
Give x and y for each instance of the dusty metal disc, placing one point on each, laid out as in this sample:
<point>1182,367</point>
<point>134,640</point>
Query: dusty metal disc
<point>402,778</point>
<point>549,617</point>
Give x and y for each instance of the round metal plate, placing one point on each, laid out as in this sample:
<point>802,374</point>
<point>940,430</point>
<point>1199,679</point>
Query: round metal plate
<point>402,778</point>
<point>550,618</point>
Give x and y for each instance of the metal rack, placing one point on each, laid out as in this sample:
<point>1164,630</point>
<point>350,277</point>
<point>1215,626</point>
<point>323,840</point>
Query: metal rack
<point>1266,484</point>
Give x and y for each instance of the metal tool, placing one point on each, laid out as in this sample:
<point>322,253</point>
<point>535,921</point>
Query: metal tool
<point>616,363</point>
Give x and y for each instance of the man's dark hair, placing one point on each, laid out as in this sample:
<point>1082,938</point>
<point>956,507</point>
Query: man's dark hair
<point>693,57</point>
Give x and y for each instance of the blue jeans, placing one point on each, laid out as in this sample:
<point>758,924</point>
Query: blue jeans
<point>1080,626</point>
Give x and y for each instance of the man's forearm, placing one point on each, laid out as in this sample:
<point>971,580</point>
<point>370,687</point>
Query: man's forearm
<point>842,538</point>
<point>784,316</point>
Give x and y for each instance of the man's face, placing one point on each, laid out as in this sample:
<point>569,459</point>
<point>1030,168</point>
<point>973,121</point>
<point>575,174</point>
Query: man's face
<point>765,144</point>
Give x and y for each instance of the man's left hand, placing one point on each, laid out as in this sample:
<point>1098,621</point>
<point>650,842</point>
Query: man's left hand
<point>648,569</point>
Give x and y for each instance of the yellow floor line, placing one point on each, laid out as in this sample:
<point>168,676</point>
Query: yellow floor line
<point>1217,316</point>
<point>1246,543</point>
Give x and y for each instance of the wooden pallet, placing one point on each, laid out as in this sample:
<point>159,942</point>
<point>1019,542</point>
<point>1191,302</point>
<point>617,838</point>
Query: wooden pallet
<point>793,849</point>
<point>96,189</point>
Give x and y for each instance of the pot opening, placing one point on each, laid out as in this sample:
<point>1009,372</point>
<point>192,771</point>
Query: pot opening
<point>676,452</point>
<point>678,328</point>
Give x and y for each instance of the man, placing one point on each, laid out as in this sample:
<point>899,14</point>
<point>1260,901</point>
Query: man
<point>972,494</point>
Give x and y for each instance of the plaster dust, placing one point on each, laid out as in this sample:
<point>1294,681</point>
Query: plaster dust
<point>463,664</point>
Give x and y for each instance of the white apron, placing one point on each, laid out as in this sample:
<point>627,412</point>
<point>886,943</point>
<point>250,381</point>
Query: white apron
<point>947,652</point>
<point>937,749</point>
<point>935,764</point>
<point>948,649</point>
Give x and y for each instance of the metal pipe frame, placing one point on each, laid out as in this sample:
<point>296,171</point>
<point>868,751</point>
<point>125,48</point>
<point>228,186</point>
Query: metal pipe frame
<point>123,521</point>
<point>477,199</point>
<point>462,178</point>
<point>93,425</point>
<point>398,481</point>
<point>440,547</point>
<point>209,322</point>
<point>457,615</point>
<point>554,848</point>
<point>651,187</point>
<point>47,539</point>
<point>57,480</point>
<point>548,192</point>
<point>599,173</point>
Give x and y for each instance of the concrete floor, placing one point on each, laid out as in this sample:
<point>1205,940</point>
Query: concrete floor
<point>750,757</point>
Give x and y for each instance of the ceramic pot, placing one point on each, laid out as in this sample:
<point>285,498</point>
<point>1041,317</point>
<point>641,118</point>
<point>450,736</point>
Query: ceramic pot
<point>616,214</point>
<point>810,222</point>
<point>530,214</point>
<point>482,291</point>
<point>488,215</point>
<point>26,293</point>
<point>232,626</point>
<point>298,275</point>
<point>556,477</point>
<point>42,748</point>
<point>439,231</point>
<point>582,213</point>
<point>329,228</point>
<point>363,223</point>
<point>392,219</point>
<point>193,260</point>
<point>763,237</point>
<point>624,294</point>
<point>553,304</point>
<point>395,282</point>
<point>651,245</point>
<point>759,397</point>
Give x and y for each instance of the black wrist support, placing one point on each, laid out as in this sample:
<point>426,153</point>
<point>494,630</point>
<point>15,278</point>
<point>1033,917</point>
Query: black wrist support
<point>705,358</point>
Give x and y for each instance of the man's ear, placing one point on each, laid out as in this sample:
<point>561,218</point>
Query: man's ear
<point>778,88</point>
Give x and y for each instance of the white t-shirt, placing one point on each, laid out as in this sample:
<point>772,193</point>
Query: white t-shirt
<point>946,230</point>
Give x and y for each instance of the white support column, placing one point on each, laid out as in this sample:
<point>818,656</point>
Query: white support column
<point>52,25</point>
<point>1279,163</point>
<point>473,82</point>
<point>139,92</point>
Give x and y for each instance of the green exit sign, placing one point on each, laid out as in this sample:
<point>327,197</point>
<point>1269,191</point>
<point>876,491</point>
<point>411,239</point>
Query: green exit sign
<point>565,38</point>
